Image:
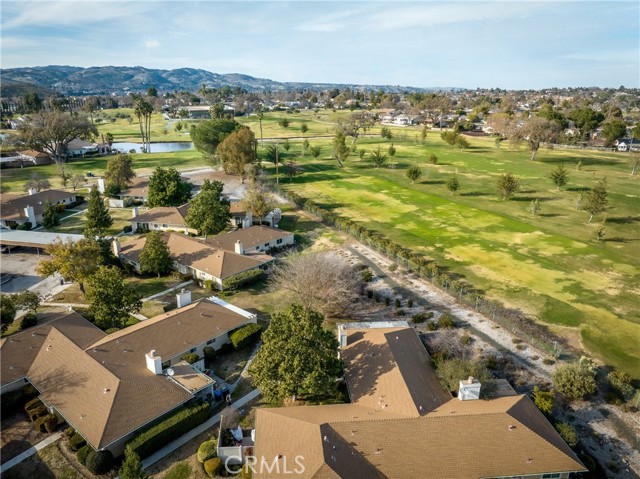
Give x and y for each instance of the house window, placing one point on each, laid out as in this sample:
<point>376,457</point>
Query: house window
<point>266,245</point>
<point>193,350</point>
<point>211,341</point>
<point>279,241</point>
<point>164,226</point>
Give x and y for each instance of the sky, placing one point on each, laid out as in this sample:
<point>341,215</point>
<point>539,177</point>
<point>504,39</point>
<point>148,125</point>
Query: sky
<point>505,44</point>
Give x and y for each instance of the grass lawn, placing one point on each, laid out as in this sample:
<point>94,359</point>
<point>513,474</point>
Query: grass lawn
<point>548,265</point>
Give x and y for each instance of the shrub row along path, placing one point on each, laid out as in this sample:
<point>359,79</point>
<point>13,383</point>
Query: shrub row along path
<point>30,452</point>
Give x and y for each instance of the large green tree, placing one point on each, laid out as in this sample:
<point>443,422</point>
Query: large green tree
<point>209,210</point>
<point>155,257</point>
<point>613,130</point>
<point>575,381</point>
<point>237,152</point>
<point>536,131</point>
<point>51,132</point>
<point>111,299</point>
<point>168,188</point>
<point>74,261</point>
<point>208,135</point>
<point>98,216</point>
<point>298,357</point>
<point>119,173</point>
<point>7,311</point>
<point>559,176</point>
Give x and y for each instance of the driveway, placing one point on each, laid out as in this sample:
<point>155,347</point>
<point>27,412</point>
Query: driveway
<point>18,269</point>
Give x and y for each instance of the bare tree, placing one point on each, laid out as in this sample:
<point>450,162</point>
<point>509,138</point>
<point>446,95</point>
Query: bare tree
<point>322,281</point>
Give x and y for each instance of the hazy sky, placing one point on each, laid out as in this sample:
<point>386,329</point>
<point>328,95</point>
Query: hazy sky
<point>514,44</point>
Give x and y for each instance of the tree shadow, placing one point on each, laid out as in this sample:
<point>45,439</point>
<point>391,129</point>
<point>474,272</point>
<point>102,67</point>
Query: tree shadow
<point>623,220</point>
<point>531,198</point>
<point>432,182</point>
<point>473,193</point>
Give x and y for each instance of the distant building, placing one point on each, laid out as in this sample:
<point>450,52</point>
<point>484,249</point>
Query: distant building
<point>19,209</point>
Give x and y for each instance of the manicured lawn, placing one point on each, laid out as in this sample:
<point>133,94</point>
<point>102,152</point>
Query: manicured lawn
<point>548,265</point>
<point>75,224</point>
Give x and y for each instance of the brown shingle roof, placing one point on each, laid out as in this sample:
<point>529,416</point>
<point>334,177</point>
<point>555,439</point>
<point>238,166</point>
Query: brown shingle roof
<point>12,206</point>
<point>139,187</point>
<point>170,215</point>
<point>249,237</point>
<point>96,381</point>
<point>506,436</point>
<point>198,255</point>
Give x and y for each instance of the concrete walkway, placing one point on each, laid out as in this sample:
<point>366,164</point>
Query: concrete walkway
<point>182,440</point>
<point>30,452</point>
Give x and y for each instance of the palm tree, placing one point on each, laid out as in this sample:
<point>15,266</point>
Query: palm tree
<point>260,114</point>
<point>143,110</point>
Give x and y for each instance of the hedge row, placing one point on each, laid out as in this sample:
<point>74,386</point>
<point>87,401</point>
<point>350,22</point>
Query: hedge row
<point>158,435</point>
<point>47,423</point>
<point>245,278</point>
<point>512,319</point>
<point>245,335</point>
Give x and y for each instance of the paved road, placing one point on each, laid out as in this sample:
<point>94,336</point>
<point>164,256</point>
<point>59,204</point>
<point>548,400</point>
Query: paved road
<point>30,452</point>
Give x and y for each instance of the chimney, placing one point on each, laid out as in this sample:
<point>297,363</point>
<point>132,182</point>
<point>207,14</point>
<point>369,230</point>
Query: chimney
<point>116,247</point>
<point>154,362</point>
<point>32,191</point>
<point>101,185</point>
<point>134,211</point>
<point>469,389</point>
<point>183,298</point>
<point>30,213</point>
<point>239,248</point>
<point>342,336</point>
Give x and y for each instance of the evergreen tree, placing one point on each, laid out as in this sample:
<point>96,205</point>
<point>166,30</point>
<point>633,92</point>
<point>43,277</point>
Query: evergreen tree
<point>98,217</point>
<point>168,188</point>
<point>155,257</point>
<point>378,158</point>
<point>298,357</point>
<point>340,149</point>
<point>596,200</point>
<point>111,300</point>
<point>559,176</point>
<point>507,185</point>
<point>414,173</point>
<point>49,215</point>
<point>453,184</point>
<point>131,467</point>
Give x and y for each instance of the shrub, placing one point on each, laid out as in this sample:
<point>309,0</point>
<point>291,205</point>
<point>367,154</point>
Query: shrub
<point>419,318</point>
<point>245,278</point>
<point>445,322</point>
<point>398,302</point>
<point>400,312</point>
<point>24,226</point>
<point>387,301</point>
<point>212,466</point>
<point>29,320</point>
<point>82,454</point>
<point>32,405</point>
<point>465,339</point>
<point>367,275</point>
<point>245,335</point>
<point>208,285</point>
<point>568,433</point>
<point>520,346</point>
<point>127,229</point>
<point>47,423</point>
<point>432,326</point>
<point>76,442</point>
<point>574,381</point>
<point>156,436</point>
<point>207,450</point>
<point>191,358</point>
<point>68,432</point>
<point>621,382</point>
<point>410,303</point>
<point>369,294</point>
<point>544,400</point>
<point>209,353</point>
<point>548,361</point>
<point>451,371</point>
<point>516,340</point>
<point>99,462</point>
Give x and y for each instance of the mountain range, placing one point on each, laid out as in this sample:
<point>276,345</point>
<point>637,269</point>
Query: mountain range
<point>105,80</point>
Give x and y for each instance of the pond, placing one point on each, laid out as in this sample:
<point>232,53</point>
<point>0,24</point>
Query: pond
<point>155,147</point>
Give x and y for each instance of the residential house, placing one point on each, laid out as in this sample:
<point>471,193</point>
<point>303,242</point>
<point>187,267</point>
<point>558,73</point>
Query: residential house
<point>256,239</point>
<point>623,144</point>
<point>138,190</point>
<point>80,147</point>
<point>19,209</point>
<point>161,218</point>
<point>197,258</point>
<point>108,386</point>
<point>400,423</point>
<point>240,217</point>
